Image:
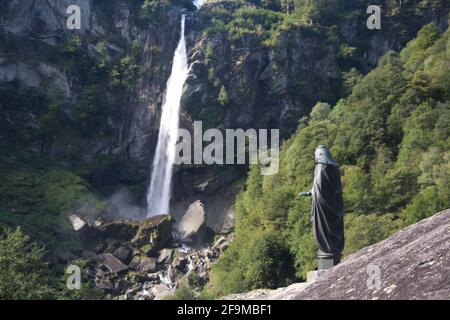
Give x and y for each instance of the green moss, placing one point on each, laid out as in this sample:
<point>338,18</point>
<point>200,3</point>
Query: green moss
<point>65,191</point>
<point>40,198</point>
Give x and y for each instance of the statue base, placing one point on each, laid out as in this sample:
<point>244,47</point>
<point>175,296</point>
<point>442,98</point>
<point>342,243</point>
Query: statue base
<point>312,276</point>
<point>326,260</point>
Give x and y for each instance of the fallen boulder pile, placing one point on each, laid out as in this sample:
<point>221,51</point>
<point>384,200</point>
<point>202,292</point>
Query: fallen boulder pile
<point>138,260</point>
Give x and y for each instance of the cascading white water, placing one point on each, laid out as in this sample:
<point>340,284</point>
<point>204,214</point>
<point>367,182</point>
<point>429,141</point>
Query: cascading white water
<point>199,3</point>
<point>158,196</point>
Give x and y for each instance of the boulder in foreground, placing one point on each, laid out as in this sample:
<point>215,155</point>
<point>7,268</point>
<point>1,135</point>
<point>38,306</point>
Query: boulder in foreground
<point>151,234</point>
<point>192,226</point>
<point>412,264</point>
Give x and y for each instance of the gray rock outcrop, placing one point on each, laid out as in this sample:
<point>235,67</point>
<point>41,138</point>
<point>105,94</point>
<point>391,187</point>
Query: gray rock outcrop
<point>113,264</point>
<point>193,227</point>
<point>269,86</point>
<point>288,293</point>
<point>413,264</point>
<point>192,221</point>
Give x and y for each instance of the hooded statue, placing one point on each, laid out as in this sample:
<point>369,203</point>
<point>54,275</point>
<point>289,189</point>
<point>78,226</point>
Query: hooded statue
<point>327,209</point>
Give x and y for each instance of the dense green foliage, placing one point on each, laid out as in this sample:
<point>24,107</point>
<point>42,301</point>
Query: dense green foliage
<point>183,292</point>
<point>105,83</point>
<point>26,116</point>
<point>153,9</point>
<point>265,19</point>
<point>25,275</point>
<point>291,34</point>
<point>39,198</point>
<point>23,272</point>
<point>391,137</point>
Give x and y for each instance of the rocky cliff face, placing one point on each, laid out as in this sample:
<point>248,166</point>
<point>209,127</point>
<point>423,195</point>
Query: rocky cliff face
<point>412,264</point>
<point>244,81</point>
<point>36,31</point>
<point>270,83</point>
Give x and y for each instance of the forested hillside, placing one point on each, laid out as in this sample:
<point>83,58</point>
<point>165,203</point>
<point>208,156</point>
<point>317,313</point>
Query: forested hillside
<point>80,114</point>
<point>391,137</point>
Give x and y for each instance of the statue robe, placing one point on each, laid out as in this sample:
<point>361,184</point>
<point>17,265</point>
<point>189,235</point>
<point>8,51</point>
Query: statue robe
<point>328,210</point>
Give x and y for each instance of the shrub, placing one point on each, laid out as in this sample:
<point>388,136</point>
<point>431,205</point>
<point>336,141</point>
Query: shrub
<point>424,205</point>
<point>320,111</point>
<point>390,136</point>
<point>223,98</point>
<point>364,230</point>
<point>23,272</point>
<point>183,292</point>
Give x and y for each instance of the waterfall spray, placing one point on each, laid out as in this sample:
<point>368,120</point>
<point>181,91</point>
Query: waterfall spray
<point>158,196</point>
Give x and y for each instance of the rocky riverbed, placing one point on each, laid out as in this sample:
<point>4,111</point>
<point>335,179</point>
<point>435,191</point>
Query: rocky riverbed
<point>146,260</point>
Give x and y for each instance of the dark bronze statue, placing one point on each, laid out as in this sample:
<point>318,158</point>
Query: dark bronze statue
<point>327,209</point>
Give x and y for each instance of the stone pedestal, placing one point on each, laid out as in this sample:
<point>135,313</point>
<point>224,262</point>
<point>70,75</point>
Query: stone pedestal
<point>312,276</point>
<point>325,263</point>
<point>326,260</point>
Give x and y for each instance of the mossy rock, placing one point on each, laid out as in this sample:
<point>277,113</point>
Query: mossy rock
<point>150,234</point>
<point>39,198</point>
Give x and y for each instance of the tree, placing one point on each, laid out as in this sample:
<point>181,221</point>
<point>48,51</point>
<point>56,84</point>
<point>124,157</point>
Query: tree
<point>183,292</point>
<point>364,230</point>
<point>223,98</point>
<point>320,111</point>
<point>357,189</point>
<point>351,78</point>
<point>424,205</point>
<point>390,136</point>
<point>92,110</point>
<point>152,10</point>
<point>23,272</point>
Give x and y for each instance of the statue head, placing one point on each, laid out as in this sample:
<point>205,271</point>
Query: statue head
<point>323,155</point>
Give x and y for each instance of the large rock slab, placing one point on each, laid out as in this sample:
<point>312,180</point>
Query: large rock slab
<point>144,264</point>
<point>412,264</point>
<point>123,253</point>
<point>165,255</point>
<point>192,226</point>
<point>154,233</point>
<point>161,291</point>
<point>76,222</point>
<point>113,264</point>
<point>82,228</point>
<point>193,220</point>
<point>287,293</point>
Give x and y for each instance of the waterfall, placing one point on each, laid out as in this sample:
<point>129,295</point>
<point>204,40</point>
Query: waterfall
<point>199,3</point>
<point>158,196</point>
